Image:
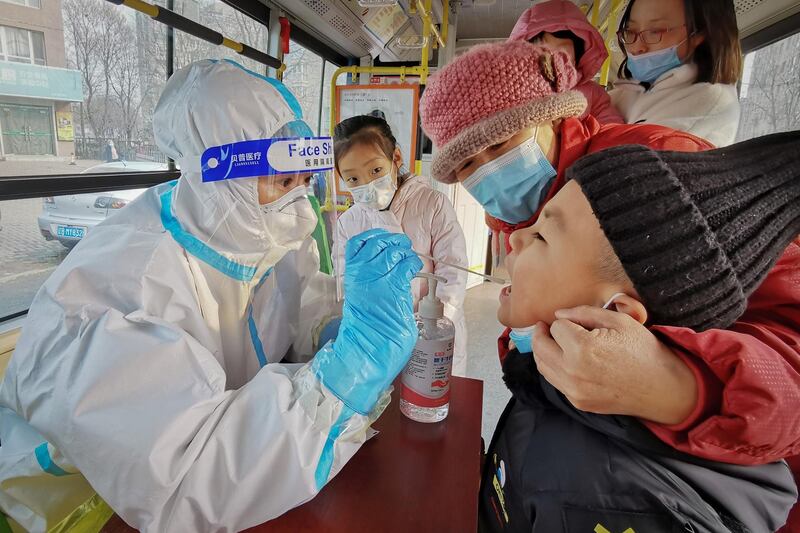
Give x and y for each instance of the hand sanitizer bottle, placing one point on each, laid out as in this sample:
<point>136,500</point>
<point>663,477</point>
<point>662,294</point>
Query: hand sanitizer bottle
<point>425,390</point>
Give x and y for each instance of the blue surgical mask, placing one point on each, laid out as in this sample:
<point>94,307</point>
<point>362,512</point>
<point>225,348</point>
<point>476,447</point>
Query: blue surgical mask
<point>522,339</point>
<point>649,67</point>
<point>522,336</point>
<point>512,186</point>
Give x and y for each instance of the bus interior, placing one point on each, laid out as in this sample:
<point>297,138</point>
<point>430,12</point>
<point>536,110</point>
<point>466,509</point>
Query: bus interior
<point>79,80</point>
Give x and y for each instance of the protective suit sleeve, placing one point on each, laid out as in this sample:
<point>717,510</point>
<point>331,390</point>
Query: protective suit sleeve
<point>169,448</point>
<point>288,324</point>
<point>339,242</point>
<point>378,329</point>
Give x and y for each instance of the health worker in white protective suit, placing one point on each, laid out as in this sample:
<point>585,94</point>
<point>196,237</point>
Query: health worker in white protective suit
<point>148,367</point>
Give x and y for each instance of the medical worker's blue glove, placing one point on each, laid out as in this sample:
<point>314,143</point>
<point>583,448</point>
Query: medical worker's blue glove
<point>378,329</point>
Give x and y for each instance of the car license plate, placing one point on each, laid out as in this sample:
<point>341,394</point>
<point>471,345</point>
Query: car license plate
<point>71,232</point>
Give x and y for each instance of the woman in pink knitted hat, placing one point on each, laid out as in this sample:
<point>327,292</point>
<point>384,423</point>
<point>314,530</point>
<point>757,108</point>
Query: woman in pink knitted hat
<point>504,120</point>
<point>561,25</point>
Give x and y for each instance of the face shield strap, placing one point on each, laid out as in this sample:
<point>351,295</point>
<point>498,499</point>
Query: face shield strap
<point>264,157</point>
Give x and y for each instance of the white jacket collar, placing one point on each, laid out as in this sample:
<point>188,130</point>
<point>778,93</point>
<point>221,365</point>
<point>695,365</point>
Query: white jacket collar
<point>677,77</point>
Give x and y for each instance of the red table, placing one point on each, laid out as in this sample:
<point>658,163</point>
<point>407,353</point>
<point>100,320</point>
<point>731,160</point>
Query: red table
<point>411,477</point>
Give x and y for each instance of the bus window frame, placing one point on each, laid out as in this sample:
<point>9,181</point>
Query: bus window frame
<point>773,33</point>
<point>22,187</point>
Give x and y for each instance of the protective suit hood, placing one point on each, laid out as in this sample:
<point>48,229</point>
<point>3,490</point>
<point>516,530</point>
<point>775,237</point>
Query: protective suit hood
<point>212,103</point>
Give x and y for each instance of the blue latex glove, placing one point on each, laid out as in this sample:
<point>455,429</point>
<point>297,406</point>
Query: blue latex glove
<point>329,331</point>
<point>378,329</point>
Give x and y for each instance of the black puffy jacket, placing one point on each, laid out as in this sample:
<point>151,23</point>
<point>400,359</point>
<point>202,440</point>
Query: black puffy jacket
<point>552,468</point>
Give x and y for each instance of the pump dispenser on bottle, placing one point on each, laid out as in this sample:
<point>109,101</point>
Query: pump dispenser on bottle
<point>425,391</point>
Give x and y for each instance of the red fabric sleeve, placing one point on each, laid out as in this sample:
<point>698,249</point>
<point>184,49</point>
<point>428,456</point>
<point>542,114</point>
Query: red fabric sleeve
<point>600,106</point>
<point>502,345</point>
<point>709,391</point>
<point>755,418</point>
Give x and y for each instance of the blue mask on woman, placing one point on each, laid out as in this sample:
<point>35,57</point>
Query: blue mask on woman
<point>512,186</point>
<point>649,67</point>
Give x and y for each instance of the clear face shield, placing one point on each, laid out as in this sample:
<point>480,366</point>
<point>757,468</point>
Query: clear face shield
<point>291,169</point>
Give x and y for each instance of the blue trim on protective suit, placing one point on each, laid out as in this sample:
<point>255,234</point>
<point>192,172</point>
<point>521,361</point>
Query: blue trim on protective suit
<point>198,248</point>
<point>46,462</point>
<point>291,101</point>
<point>258,346</point>
<point>325,463</point>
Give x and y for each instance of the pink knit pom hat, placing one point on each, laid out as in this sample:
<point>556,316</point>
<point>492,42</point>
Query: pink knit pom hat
<point>492,92</point>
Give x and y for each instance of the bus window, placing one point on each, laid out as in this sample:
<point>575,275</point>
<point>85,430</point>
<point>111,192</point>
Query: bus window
<point>78,90</point>
<point>76,97</point>
<point>304,77</point>
<point>220,17</point>
<point>770,92</point>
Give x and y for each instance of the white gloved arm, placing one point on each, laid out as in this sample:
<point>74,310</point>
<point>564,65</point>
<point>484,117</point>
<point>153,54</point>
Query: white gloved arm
<point>140,407</point>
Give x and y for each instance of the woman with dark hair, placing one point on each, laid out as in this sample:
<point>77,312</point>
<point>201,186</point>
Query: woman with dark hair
<point>683,60</point>
<point>386,195</point>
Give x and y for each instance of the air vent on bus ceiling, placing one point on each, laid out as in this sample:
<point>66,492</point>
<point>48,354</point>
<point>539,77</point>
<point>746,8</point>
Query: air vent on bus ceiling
<point>320,7</point>
<point>755,15</point>
<point>743,6</point>
<point>340,23</point>
<point>333,23</point>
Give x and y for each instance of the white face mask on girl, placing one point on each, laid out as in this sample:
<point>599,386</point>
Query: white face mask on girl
<point>376,194</point>
<point>290,219</point>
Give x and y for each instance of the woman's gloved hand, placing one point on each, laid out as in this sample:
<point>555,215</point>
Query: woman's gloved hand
<point>378,330</point>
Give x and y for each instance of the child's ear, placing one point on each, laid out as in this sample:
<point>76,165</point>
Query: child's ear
<point>398,157</point>
<point>631,307</point>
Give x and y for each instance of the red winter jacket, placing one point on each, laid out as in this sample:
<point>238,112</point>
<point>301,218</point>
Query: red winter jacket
<point>748,375</point>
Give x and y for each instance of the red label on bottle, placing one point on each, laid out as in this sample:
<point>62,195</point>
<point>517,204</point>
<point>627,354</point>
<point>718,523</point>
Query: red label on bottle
<point>426,378</point>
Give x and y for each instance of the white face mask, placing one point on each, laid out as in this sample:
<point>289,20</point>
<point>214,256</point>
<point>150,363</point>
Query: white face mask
<point>377,194</point>
<point>290,219</point>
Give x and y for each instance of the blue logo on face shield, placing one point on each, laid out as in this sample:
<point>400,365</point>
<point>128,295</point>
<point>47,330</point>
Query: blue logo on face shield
<point>267,157</point>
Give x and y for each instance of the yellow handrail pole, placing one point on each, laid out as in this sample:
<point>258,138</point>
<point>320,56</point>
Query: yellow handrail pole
<point>426,13</point>
<point>427,25</point>
<point>610,34</point>
<point>179,22</point>
<point>143,7</point>
<point>595,12</point>
<point>445,19</point>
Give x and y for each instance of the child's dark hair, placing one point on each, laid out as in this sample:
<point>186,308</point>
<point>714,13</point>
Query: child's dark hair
<point>719,56</point>
<point>577,42</point>
<point>363,129</point>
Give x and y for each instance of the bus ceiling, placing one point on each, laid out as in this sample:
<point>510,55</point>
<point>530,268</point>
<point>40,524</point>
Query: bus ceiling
<point>391,32</point>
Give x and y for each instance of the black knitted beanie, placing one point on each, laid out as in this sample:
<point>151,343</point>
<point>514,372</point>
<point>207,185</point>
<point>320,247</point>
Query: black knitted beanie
<point>696,232</point>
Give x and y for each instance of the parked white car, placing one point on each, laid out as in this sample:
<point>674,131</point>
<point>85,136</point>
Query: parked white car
<point>69,218</point>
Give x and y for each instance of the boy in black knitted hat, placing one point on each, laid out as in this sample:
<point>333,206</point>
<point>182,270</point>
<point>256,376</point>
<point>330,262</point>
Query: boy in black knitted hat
<point>670,239</point>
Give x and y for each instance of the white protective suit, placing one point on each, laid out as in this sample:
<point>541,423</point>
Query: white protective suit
<point>428,218</point>
<point>143,363</point>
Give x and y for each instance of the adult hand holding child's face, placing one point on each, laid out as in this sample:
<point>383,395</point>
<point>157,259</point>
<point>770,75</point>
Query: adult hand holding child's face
<point>606,362</point>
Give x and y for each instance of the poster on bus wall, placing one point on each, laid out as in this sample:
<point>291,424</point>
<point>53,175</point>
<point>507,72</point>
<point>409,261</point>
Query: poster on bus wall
<point>395,103</point>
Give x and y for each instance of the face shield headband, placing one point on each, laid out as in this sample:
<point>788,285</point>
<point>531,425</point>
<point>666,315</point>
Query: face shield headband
<point>294,150</point>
